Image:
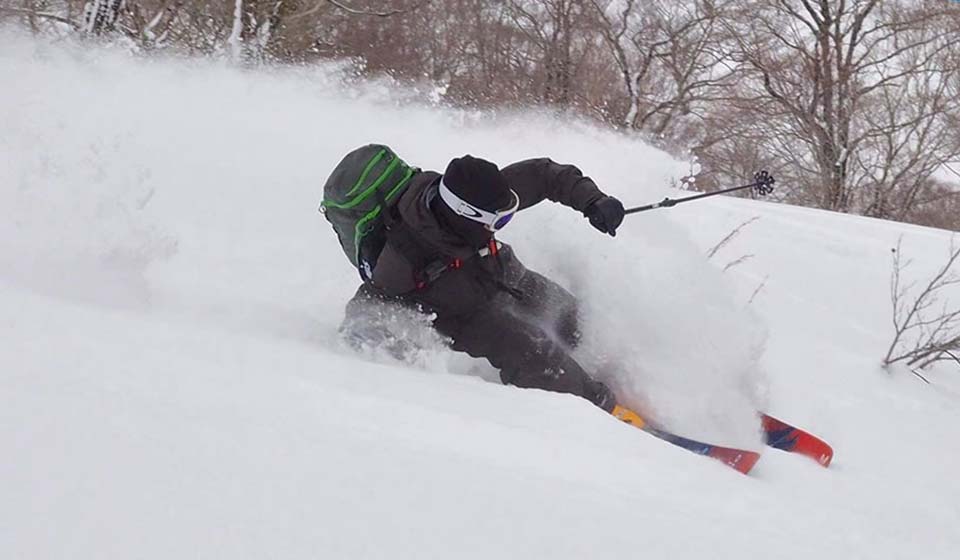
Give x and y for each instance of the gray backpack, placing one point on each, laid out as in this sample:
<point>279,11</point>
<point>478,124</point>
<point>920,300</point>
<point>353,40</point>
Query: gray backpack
<point>357,198</point>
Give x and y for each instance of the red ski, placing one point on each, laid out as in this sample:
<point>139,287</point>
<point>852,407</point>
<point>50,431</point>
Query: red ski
<point>781,435</point>
<point>740,460</point>
<point>778,434</point>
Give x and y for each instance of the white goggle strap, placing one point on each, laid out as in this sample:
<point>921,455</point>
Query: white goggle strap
<point>471,212</point>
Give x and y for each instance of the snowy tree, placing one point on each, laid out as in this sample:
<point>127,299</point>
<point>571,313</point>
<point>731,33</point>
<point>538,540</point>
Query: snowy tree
<point>670,59</point>
<point>853,97</point>
<point>100,16</point>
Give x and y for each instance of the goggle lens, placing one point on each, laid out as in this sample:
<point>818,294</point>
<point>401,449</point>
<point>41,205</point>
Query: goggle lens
<point>503,221</point>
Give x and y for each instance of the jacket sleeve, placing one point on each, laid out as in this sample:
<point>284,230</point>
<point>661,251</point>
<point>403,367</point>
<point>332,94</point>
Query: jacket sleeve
<point>536,179</point>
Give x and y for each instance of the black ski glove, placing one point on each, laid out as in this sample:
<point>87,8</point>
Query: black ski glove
<point>605,214</point>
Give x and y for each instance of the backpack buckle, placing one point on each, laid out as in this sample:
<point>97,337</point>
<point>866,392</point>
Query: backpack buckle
<point>434,270</point>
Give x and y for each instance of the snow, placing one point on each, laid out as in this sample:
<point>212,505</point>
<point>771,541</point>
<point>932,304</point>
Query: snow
<point>173,384</point>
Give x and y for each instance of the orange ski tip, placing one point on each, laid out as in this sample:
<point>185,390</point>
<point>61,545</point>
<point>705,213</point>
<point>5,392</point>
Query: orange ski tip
<point>626,415</point>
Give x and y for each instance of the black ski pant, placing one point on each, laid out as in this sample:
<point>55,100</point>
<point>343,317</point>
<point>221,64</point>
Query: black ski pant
<point>527,335</point>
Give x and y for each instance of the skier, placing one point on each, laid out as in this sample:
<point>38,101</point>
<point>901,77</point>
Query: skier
<point>441,256</point>
<point>426,241</point>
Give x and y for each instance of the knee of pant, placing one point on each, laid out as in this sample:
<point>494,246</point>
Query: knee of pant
<point>599,394</point>
<point>568,328</point>
<point>547,367</point>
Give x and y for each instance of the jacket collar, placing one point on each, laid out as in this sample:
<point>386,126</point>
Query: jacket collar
<point>414,208</point>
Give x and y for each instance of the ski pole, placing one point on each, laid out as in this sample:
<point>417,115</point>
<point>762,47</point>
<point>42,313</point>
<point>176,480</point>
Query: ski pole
<point>762,184</point>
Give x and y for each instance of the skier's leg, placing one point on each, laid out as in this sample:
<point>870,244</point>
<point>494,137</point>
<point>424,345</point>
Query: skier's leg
<point>525,354</point>
<point>551,304</point>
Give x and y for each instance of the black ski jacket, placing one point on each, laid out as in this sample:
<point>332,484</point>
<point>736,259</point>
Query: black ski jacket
<point>489,304</point>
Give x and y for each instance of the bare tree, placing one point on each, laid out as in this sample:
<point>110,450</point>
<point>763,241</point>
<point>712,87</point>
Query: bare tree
<point>251,30</point>
<point>926,326</point>
<point>853,94</point>
<point>854,103</point>
<point>100,16</point>
<point>670,59</point>
<point>93,17</point>
<point>38,15</point>
<point>552,27</point>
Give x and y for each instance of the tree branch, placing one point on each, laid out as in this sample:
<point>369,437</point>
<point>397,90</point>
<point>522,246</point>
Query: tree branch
<point>52,17</point>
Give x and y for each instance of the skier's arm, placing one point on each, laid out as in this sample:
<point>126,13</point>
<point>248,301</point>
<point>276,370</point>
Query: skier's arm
<point>536,179</point>
<point>542,178</point>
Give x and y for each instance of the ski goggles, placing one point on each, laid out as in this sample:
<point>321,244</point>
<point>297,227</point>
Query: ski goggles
<point>493,221</point>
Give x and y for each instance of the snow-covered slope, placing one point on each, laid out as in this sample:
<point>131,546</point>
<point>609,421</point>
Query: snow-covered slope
<point>172,384</point>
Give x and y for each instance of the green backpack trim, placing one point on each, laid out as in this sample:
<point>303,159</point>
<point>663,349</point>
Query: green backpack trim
<point>357,212</point>
<point>366,171</point>
<point>359,231</point>
<point>363,196</point>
